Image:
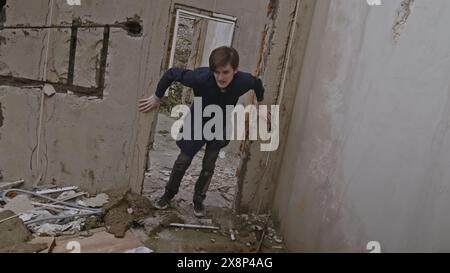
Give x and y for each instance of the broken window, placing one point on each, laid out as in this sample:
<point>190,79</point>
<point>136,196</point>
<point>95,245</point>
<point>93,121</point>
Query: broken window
<point>78,69</point>
<point>77,55</point>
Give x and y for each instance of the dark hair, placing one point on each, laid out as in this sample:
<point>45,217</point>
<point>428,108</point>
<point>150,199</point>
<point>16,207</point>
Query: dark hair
<point>223,56</point>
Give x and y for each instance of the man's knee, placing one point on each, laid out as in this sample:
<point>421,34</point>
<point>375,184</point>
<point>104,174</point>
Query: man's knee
<point>209,165</point>
<point>207,172</point>
<point>183,162</point>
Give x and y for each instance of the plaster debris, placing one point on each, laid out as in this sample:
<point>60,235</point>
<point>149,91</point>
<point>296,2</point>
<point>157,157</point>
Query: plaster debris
<point>12,232</point>
<point>118,218</point>
<point>55,229</point>
<point>19,204</point>
<point>69,195</point>
<point>95,202</point>
<point>49,90</point>
<point>141,249</point>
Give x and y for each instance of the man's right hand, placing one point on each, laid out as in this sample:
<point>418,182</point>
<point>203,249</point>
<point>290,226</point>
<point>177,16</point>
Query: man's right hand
<point>145,105</point>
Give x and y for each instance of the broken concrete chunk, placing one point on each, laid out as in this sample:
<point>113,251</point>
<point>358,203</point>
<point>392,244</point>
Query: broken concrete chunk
<point>141,205</point>
<point>13,231</point>
<point>118,221</point>
<point>54,229</point>
<point>278,239</point>
<point>69,195</point>
<point>19,204</point>
<point>35,214</point>
<point>141,249</point>
<point>93,222</point>
<point>49,90</point>
<point>95,202</point>
<point>117,217</point>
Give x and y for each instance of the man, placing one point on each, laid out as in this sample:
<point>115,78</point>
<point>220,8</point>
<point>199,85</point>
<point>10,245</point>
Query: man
<point>221,84</point>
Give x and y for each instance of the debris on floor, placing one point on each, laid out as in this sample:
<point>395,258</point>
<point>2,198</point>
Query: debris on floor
<point>97,241</point>
<point>14,235</point>
<point>50,212</point>
<point>141,249</point>
<point>52,219</point>
<point>123,208</point>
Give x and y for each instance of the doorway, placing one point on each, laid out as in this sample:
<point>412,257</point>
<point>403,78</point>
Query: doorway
<point>194,36</point>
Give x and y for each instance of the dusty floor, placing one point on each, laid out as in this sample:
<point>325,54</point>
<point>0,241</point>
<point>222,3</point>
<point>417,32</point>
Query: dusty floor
<point>162,156</point>
<point>236,233</point>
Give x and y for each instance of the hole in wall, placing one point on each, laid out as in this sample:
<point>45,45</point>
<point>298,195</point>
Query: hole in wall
<point>133,28</point>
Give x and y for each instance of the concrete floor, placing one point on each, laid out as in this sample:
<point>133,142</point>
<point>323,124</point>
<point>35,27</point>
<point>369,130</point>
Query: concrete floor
<point>219,204</point>
<point>164,153</point>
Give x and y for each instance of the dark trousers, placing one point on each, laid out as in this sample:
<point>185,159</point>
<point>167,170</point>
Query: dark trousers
<point>182,164</point>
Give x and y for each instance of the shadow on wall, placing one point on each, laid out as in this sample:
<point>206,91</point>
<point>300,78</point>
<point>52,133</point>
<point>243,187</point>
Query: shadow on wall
<point>2,13</point>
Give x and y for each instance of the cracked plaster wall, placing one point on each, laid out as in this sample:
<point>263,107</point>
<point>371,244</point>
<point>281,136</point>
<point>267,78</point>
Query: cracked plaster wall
<point>368,153</point>
<point>92,142</point>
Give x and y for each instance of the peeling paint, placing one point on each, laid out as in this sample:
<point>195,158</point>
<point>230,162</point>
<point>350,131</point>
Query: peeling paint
<point>403,14</point>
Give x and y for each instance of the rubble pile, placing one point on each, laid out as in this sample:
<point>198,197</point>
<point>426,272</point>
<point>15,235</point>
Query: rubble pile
<point>49,219</point>
<point>49,211</point>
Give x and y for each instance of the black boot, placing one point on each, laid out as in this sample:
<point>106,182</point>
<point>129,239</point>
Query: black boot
<point>179,169</point>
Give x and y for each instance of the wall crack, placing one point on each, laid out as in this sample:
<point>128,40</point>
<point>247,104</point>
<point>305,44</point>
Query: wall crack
<point>403,14</point>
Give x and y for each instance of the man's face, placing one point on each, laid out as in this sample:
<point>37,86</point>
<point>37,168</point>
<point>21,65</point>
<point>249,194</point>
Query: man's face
<point>224,75</point>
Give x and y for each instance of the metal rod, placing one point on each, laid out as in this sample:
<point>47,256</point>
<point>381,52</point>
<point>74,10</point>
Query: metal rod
<point>9,218</point>
<point>192,226</point>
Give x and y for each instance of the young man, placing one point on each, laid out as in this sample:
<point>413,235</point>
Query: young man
<point>221,84</point>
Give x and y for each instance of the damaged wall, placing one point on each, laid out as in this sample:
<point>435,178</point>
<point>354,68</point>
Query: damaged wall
<point>90,133</point>
<point>368,150</point>
<point>281,61</point>
<point>94,140</point>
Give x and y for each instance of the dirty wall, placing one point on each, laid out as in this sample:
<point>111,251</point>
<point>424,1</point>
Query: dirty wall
<point>99,58</point>
<point>368,151</point>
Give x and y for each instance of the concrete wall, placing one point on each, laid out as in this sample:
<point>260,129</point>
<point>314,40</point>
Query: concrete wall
<point>97,141</point>
<point>368,152</point>
<point>281,63</point>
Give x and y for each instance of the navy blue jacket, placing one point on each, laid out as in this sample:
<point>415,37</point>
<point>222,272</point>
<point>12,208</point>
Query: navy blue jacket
<point>204,85</point>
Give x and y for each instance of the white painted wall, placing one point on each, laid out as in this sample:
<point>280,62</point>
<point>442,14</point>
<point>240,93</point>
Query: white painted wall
<point>368,153</point>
